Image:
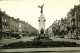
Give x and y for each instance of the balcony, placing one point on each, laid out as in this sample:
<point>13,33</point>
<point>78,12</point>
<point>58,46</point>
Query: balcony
<point>6,30</point>
<point>5,23</point>
<point>73,27</point>
<point>73,20</point>
<point>68,28</point>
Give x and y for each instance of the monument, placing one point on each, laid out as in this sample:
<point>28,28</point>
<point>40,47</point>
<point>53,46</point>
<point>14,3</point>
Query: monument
<point>42,36</point>
<point>41,21</point>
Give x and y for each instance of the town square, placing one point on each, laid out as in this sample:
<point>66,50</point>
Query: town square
<point>35,26</point>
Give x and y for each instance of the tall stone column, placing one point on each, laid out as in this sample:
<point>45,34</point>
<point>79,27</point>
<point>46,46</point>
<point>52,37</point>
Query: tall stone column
<point>41,21</point>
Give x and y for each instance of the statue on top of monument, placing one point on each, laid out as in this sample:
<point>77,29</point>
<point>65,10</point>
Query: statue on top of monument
<point>41,8</point>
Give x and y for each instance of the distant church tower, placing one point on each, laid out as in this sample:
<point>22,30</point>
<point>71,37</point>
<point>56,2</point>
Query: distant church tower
<point>41,21</point>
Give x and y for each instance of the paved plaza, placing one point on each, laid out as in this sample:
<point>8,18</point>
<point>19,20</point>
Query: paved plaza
<point>65,39</point>
<point>54,49</point>
<point>13,40</point>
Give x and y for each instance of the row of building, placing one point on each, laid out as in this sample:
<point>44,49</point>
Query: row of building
<point>11,27</point>
<point>68,27</point>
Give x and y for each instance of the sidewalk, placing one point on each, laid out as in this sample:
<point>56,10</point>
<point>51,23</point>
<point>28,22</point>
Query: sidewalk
<point>55,49</point>
<point>65,39</point>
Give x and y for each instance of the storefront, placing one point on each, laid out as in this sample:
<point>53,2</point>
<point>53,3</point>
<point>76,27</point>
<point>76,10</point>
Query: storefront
<point>5,34</point>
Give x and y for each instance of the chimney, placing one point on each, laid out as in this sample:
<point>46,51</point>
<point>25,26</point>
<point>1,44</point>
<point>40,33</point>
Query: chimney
<point>17,18</point>
<point>12,17</point>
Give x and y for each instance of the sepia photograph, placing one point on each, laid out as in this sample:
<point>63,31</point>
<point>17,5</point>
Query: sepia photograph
<point>40,26</point>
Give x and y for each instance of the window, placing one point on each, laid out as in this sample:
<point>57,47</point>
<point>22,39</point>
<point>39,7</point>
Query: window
<point>2,19</point>
<point>12,22</point>
<point>7,27</point>
<point>5,20</point>
<point>72,22</point>
<point>3,26</point>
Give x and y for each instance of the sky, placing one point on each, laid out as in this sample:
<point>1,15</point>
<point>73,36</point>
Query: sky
<point>28,11</point>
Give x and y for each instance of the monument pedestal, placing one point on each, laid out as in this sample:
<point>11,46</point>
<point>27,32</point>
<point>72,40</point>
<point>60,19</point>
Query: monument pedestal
<point>42,37</point>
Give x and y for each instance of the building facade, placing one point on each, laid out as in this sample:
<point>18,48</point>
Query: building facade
<point>69,27</point>
<point>11,27</point>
